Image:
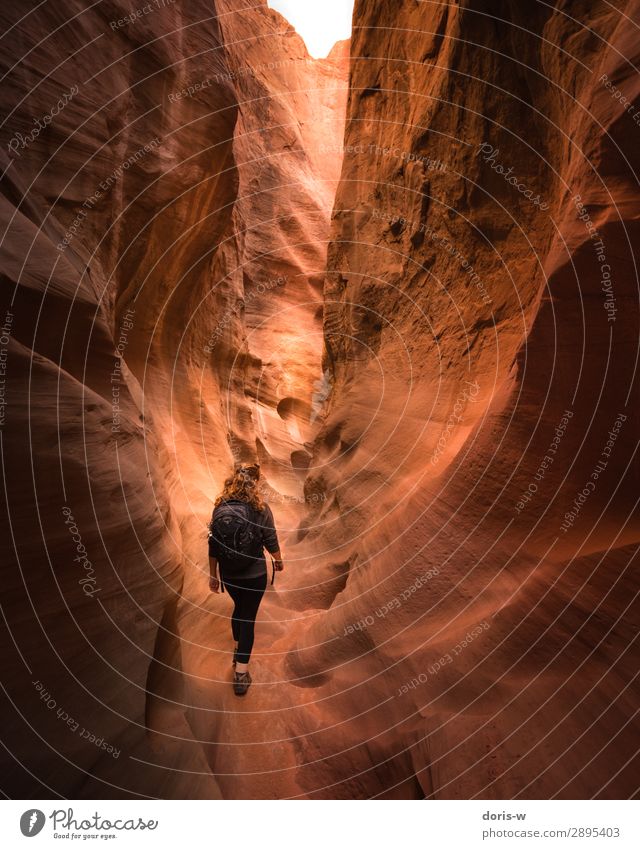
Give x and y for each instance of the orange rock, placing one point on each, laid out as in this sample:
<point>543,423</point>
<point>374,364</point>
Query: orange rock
<point>438,379</point>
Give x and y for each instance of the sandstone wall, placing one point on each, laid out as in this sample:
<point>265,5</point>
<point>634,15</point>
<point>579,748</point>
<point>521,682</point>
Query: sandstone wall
<point>480,645</point>
<point>447,418</point>
<point>132,248</point>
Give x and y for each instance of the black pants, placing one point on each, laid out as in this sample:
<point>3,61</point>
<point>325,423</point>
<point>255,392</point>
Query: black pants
<point>247,594</point>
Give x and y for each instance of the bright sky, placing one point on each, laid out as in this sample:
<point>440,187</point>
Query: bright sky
<point>320,22</point>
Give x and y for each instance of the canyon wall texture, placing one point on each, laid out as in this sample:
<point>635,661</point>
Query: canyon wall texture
<point>439,381</point>
<point>101,188</point>
<point>480,453</point>
<point>129,260</point>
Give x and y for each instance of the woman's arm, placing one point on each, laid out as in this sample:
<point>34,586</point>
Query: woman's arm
<point>214,579</point>
<point>270,538</point>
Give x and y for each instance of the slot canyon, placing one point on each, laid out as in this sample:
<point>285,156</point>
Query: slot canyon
<point>403,278</point>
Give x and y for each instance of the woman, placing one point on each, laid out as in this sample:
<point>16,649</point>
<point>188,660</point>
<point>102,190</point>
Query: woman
<point>241,528</point>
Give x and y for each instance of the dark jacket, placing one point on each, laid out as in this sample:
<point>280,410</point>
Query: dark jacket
<point>255,566</point>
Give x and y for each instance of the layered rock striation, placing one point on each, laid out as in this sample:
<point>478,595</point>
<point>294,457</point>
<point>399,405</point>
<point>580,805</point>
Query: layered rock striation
<point>132,250</point>
<point>439,383</point>
<point>479,458</point>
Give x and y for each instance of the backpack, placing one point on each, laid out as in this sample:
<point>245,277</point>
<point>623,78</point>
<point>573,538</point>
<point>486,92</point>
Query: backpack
<point>237,537</point>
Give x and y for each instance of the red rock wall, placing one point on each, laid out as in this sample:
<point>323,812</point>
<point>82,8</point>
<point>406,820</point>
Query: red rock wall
<point>125,228</point>
<point>288,150</point>
<point>481,645</point>
<point>442,628</point>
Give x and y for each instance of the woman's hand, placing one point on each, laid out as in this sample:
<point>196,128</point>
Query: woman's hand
<point>214,580</point>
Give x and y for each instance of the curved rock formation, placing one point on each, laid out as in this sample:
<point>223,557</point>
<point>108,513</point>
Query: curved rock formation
<point>479,458</point>
<point>444,404</point>
<point>133,248</point>
<point>104,192</point>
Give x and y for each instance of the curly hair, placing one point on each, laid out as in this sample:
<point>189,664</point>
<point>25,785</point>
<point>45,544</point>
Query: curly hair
<point>242,486</point>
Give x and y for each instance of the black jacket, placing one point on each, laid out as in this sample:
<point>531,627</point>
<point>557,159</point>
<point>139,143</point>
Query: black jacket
<point>262,520</point>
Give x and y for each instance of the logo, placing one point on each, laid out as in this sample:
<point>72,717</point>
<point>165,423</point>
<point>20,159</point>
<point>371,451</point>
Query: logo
<point>32,822</point>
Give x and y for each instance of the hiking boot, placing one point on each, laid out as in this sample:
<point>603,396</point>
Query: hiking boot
<point>241,683</point>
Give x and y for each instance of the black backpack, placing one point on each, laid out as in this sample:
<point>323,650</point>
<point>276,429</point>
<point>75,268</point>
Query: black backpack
<point>236,533</point>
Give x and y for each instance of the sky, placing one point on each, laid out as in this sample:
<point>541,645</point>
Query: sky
<point>320,22</point>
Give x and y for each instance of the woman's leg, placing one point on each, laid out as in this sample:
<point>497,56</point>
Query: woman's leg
<point>250,596</point>
<point>235,594</point>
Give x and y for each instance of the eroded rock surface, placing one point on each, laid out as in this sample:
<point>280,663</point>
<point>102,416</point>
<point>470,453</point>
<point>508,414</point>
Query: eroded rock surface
<point>479,458</point>
<point>444,405</point>
<point>130,243</point>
